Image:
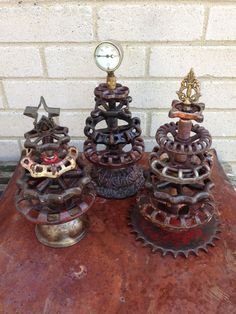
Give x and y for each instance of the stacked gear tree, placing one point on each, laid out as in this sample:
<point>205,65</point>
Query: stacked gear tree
<point>177,213</point>
<point>54,190</point>
<point>114,149</point>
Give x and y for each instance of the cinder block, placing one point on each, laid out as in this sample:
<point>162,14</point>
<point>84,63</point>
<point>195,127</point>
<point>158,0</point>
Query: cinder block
<point>63,94</point>
<point>1,101</point>
<point>221,23</point>
<point>226,149</point>
<point>10,150</point>
<point>75,121</point>
<point>79,62</point>
<point>220,123</point>
<point>41,23</point>
<point>220,94</point>
<point>14,124</point>
<point>150,22</point>
<point>149,94</point>
<point>19,61</point>
<point>176,61</point>
<point>158,119</point>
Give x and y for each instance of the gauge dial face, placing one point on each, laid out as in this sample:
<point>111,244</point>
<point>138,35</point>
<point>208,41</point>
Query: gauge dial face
<point>108,56</point>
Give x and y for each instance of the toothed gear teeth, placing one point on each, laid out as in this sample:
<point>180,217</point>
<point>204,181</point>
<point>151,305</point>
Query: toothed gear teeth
<point>136,220</point>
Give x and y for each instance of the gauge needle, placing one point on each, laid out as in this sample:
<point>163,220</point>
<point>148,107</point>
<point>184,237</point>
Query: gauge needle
<point>106,56</point>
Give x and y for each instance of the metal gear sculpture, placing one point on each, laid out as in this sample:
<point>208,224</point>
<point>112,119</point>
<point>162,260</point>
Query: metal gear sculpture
<point>114,149</point>
<point>176,214</point>
<point>54,190</point>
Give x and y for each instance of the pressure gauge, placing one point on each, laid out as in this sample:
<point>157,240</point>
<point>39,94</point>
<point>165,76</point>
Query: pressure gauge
<point>108,56</point>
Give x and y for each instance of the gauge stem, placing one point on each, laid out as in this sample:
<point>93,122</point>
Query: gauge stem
<point>111,80</point>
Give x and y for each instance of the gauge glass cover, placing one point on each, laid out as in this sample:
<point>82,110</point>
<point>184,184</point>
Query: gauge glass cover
<point>108,56</point>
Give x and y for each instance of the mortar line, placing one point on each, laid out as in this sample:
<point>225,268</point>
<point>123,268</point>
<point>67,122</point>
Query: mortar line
<point>148,123</point>
<point>95,26</point>
<point>208,78</point>
<point>4,96</point>
<point>147,61</point>
<point>165,43</point>
<point>114,2</point>
<point>43,61</point>
<point>205,24</point>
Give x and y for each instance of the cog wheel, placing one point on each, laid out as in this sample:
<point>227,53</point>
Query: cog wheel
<point>176,243</point>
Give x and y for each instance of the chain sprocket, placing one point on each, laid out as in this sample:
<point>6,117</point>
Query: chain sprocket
<point>176,243</point>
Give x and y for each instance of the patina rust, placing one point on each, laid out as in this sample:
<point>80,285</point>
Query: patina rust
<point>177,213</point>
<point>115,169</point>
<point>54,190</point>
<point>109,272</point>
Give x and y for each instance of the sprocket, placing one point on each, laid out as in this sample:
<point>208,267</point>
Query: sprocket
<point>181,243</point>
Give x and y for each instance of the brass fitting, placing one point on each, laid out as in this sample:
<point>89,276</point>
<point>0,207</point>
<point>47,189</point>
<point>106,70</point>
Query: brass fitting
<point>111,80</point>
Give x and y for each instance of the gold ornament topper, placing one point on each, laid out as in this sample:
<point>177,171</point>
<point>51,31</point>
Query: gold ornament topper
<point>189,91</point>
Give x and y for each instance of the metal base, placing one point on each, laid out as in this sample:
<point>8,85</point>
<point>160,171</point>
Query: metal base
<point>177,243</point>
<point>64,234</point>
<point>117,183</point>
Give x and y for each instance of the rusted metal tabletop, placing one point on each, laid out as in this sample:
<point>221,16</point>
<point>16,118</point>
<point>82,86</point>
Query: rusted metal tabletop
<point>109,272</point>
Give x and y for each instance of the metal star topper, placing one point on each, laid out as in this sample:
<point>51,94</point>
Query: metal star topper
<point>32,112</point>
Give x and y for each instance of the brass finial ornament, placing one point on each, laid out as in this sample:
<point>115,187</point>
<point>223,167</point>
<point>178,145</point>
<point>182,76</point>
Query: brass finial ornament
<point>189,91</point>
<point>187,107</point>
<point>108,56</point>
<point>177,213</point>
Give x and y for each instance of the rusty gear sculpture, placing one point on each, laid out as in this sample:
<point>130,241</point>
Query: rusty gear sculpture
<point>54,190</point>
<point>115,169</point>
<point>177,212</point>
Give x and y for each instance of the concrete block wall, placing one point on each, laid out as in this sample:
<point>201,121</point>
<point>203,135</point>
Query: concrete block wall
<point>46,48</point>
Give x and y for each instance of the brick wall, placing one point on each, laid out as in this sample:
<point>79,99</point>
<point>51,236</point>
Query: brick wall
<point>46,48</point>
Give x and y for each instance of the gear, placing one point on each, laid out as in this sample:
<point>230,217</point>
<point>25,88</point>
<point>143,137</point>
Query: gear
<point>113,144</point>
<point>182,243</point>
<point>54,186</point>
<point>177,212</point>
